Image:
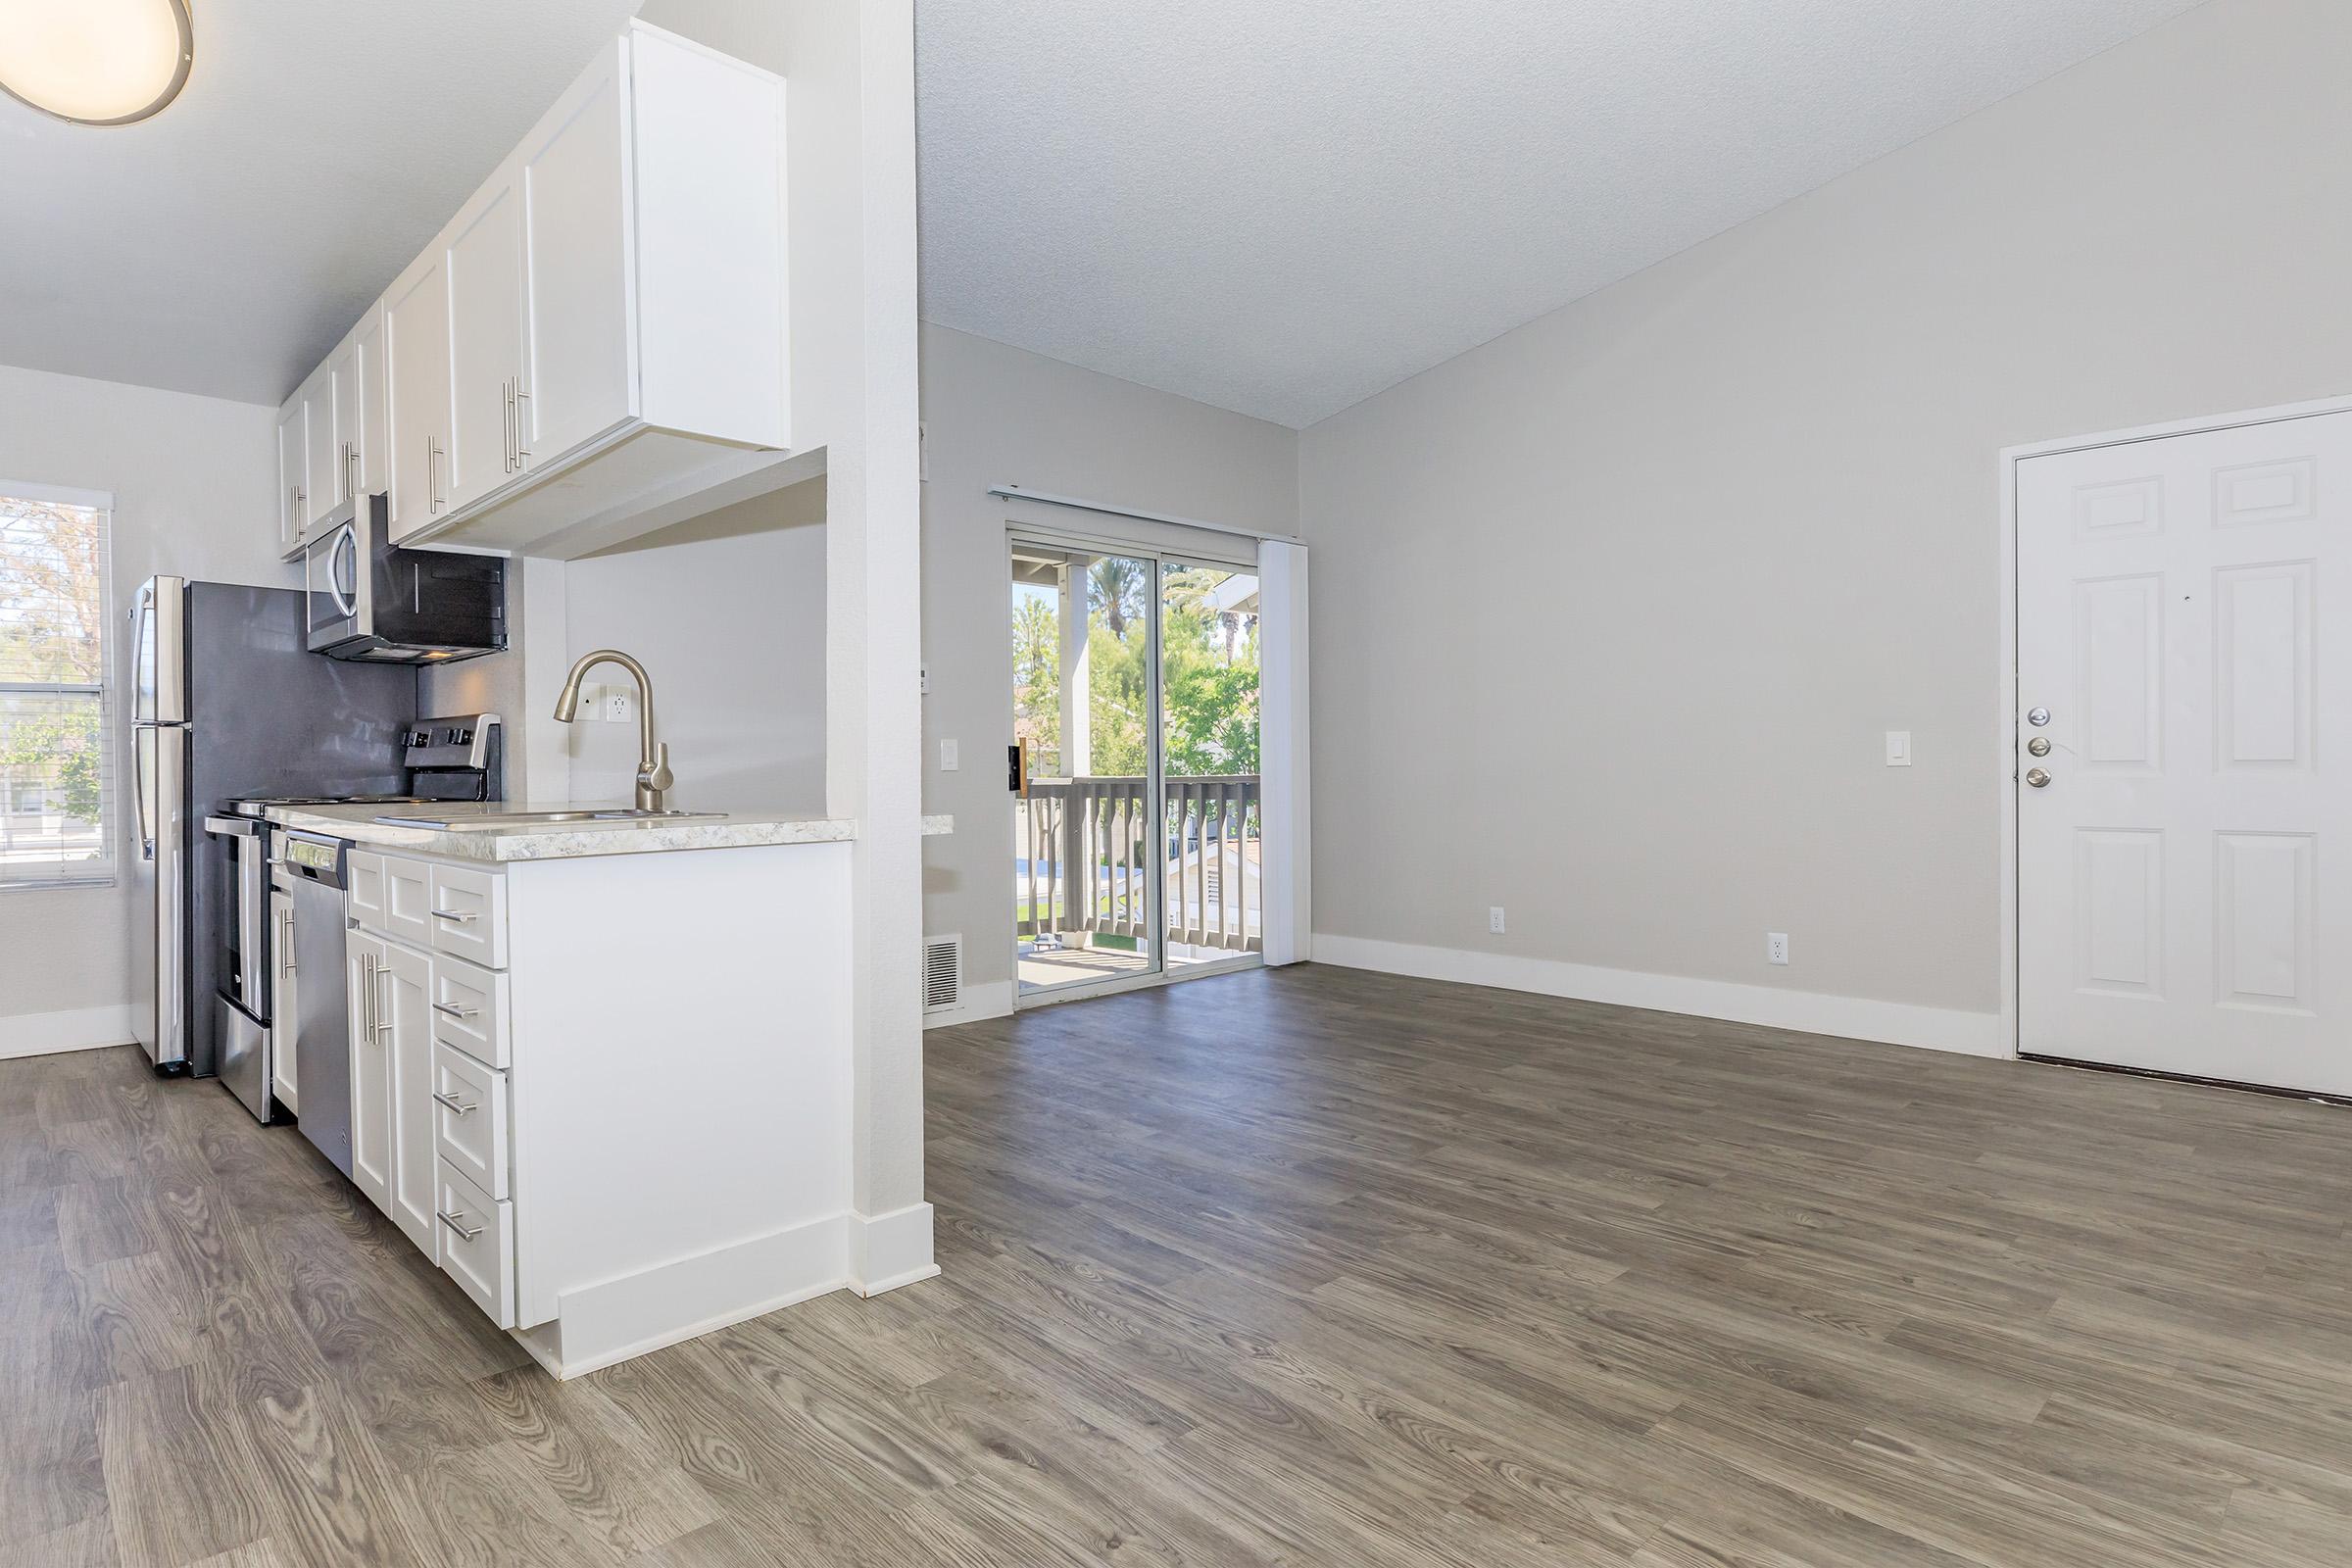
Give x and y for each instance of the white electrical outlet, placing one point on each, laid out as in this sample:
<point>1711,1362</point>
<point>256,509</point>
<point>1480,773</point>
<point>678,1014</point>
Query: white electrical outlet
<point>619,705</point>
<point>1495,920</point>
<point>1776,946</point>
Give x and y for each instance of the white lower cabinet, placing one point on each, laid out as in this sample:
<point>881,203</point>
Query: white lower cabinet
<point>430,1141</point>
<point>402,991</point>
<point>582,1096</point>
<point>364,956</point>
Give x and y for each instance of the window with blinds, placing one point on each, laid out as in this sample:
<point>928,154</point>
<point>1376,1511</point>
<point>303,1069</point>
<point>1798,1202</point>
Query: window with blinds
<point>55,787</point>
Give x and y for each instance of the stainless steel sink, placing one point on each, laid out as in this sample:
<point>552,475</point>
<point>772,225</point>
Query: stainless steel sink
<point>455,823</point>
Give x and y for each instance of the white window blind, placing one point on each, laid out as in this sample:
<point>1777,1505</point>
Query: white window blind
<point>56,784</point>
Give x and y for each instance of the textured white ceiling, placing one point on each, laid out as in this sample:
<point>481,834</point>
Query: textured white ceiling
<point>224,245</point>
<point>1283,207</point>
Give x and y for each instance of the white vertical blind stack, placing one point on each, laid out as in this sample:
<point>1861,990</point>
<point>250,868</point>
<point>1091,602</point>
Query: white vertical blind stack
<point>56,779</point>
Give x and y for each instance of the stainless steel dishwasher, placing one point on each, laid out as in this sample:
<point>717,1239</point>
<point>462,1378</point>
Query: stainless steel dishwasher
<point>322,1016</point>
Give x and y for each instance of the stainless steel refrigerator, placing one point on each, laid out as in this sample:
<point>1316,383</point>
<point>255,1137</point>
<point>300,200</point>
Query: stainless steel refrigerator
<point>228,701</point>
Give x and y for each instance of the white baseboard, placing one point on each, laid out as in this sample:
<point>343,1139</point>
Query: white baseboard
<point>612,1320</point>
<point>596,1324</point>
<point>1813,1012</point>
<point>41,1034</point>
<point>888,1250</point>
<point>990,1000</point>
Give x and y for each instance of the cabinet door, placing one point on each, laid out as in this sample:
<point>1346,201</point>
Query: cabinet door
<point>371,1068</point>
<point>417,393</point>
<point>293,464</point>
<point>319,420</point>
<point>283,1010</point>
<point>366,430</point>
<point>578,380</point>
<point>404,991</point>
<point>484,256</point>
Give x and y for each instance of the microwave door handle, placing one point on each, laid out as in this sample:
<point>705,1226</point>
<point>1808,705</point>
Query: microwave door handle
<point>345,541</point>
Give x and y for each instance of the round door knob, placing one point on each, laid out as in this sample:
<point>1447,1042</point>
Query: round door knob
<point>2039,746</point>
<point>2038,777</point>
<point>2037,716</point>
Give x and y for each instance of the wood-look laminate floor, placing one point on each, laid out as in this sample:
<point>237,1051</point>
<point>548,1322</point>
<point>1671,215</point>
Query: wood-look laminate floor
<point>1314,1267</point>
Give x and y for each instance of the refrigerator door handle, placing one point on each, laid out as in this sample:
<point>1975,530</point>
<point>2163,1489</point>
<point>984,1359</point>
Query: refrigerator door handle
<point>142,736</point>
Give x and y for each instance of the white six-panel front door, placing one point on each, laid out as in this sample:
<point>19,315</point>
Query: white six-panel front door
<point>2185,616</point>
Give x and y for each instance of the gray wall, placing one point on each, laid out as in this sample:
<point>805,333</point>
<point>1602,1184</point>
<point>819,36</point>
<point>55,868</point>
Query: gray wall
<point>194,482</point>
<point>1612,612</point>
<point>728,612</point>
<point>994,415</point>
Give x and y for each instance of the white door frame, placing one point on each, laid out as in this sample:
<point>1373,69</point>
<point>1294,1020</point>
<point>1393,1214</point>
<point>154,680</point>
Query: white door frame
<point>2005,706</point>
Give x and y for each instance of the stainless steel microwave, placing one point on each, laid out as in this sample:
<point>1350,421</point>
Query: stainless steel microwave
<point>371,599</point>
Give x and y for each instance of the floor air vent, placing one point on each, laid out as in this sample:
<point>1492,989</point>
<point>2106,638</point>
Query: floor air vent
<point>943,972</point>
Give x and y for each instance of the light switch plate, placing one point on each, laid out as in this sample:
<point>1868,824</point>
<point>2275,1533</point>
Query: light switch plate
<point>949,762</point>
<point>1898,747</point>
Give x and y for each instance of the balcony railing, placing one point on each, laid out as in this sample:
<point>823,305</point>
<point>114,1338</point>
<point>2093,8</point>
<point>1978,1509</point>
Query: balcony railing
<point>1085,847</point>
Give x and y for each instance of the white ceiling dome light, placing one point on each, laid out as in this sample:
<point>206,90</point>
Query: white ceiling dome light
<point>95,62</point>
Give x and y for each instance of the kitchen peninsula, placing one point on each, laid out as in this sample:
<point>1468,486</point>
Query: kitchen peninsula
<point>602,1069</point>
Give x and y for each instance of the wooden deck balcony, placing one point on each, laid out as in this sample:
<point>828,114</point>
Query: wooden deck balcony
<point>1084,852</point>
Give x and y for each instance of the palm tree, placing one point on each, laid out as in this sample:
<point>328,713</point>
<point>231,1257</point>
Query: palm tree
<point>1115,586</point>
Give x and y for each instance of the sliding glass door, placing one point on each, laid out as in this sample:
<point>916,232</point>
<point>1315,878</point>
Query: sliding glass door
<point>1135,824</point>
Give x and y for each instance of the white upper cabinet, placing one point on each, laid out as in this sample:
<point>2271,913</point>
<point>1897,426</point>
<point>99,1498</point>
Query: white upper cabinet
<point>579,371</point>
<point>357,368</point>
<point>596,345</point>
<point>485,256</point>
<point>416,316</point>
<point>319,422</point>
<point>293,471</point>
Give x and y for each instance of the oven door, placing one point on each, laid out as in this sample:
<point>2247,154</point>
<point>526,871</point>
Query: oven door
<point>245,918</point>
<point>334,580</point>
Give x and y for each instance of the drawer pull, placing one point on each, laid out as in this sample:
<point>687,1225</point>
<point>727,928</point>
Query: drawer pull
<point>455,1012</point>
<point>453,1223</point>
<point>456,1105</point>
<point>460,916</point>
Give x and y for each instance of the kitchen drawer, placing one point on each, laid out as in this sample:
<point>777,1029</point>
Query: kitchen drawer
<point>470,1009</point>
<point>469,912</point>
<point>469,1119</point>
<point>389,895</point>
<point>408,895</point>
<point>476,1244</point>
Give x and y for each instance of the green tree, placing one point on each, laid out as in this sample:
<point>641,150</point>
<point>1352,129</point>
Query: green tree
<point>1037,679</point>
<point>62,747</point>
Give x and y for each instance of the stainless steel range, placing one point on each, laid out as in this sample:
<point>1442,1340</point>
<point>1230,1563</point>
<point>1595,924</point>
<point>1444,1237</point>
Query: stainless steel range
<point>269,881</point>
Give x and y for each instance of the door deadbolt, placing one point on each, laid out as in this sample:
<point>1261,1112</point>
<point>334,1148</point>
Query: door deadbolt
<point>2037,716</point>
<point>2038,777</point>
<point>2039,746</point>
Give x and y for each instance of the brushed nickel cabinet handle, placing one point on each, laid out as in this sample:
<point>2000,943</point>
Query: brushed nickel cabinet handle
<point>456,1105</point>
<point>460,916</point>
<point>453,1221</point>
<point>453,1010</point>
<point>522,453</point>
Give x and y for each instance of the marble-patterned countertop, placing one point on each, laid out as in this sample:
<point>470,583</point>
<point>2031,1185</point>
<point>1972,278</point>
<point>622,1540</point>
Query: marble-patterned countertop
<point>559,841</point>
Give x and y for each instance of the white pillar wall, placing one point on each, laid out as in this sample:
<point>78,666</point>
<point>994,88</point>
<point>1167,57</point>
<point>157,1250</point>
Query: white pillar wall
<point>1077,675</point>
<point>1287,853</point>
